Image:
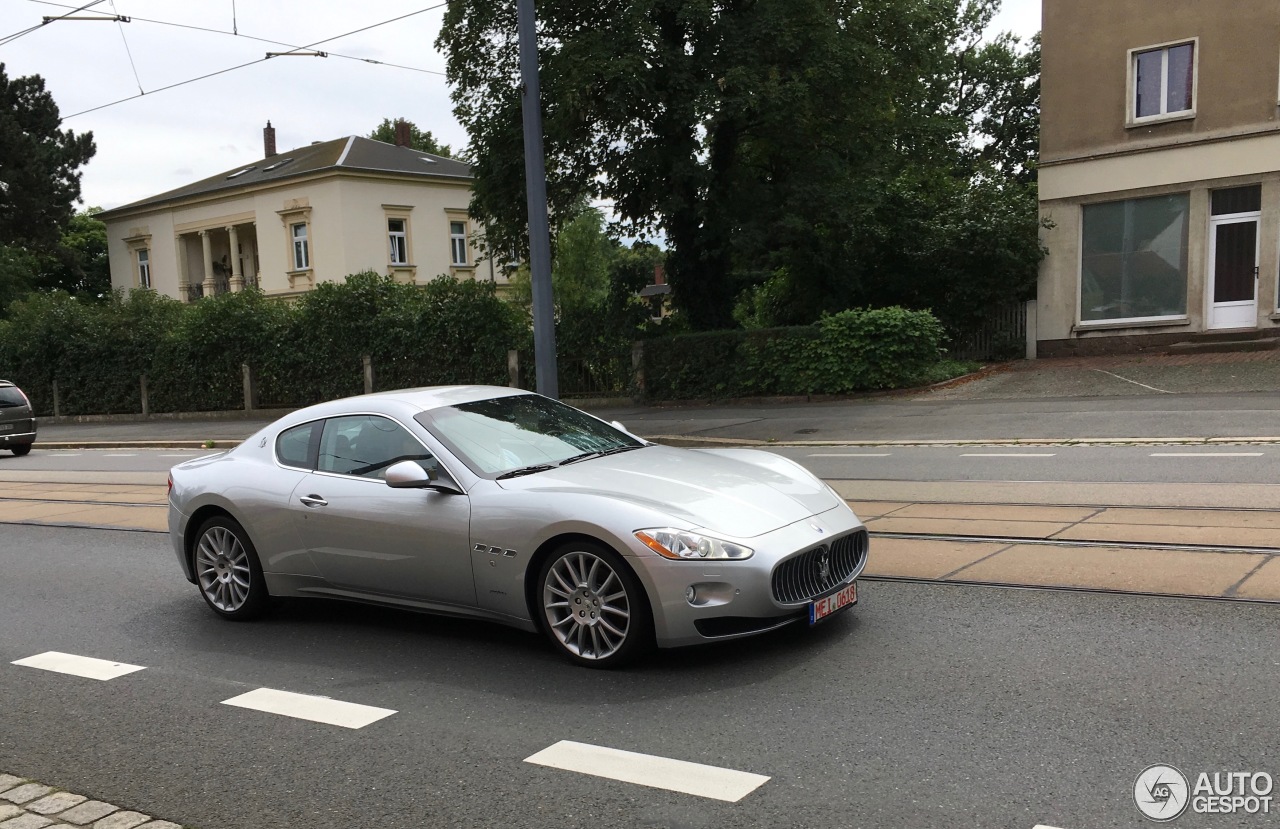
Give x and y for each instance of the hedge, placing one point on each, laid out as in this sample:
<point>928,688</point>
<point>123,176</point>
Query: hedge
<point>444,332</point>
<point>855,350</point>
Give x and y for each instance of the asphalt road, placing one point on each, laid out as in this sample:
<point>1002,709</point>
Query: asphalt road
<point>915,416</point>
<point>1219,463</point>
<point>928,706</point>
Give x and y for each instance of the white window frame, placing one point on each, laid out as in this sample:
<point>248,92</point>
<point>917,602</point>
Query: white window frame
<point>458,242</point>
<point>144,267</point>
<point>1131,99</point>
<point>301,254</point>
<point>398,240</point>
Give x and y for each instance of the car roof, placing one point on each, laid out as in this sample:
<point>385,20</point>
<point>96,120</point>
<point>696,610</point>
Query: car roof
<point>410,400</point>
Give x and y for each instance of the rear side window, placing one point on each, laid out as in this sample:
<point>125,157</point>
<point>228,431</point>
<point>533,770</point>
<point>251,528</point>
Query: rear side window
<point>293,446</point>
<point>10,397</point>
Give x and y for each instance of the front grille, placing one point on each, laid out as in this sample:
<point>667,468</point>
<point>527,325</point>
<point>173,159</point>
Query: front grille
<point>803,577</point>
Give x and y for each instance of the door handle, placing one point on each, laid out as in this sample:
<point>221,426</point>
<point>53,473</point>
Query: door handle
<point>313,501</point>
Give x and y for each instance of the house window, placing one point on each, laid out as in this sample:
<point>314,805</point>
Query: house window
<point>458,242</point>
<point>144,268</point>
<point>301,255</point>
<point>399,240</point>
<point>1164,81</point>
<point>1133,263</point>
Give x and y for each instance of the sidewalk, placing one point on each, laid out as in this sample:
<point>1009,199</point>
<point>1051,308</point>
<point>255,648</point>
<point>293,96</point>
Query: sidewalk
<point>1183,398</point>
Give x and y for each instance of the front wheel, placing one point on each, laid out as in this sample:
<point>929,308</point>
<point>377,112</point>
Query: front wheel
<point>594,610</point>
<point>228,571</point>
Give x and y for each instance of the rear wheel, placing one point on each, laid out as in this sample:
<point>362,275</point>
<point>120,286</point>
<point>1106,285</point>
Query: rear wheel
<point>228,571</point>
<point>20,449</point>
<point>594,610</point>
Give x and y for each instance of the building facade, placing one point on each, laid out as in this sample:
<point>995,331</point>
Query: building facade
<point>295,219</point>
<point>1160,173</point>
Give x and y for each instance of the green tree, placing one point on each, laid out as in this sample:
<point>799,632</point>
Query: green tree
<point>80,265</point>
<point>768,141</point>
<point>39,164</point>
<point>421,141</point>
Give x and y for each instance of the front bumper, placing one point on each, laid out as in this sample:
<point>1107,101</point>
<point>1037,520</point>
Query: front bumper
<point>735,598</point>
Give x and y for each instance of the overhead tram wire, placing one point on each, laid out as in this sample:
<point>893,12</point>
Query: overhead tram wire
<point>127,50</point>
<point>291,46</point>
<point>259,60</point>
<point>10,38</point>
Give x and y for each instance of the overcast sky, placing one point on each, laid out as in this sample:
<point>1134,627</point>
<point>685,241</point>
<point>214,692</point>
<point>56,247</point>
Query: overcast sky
<point>168,138</point>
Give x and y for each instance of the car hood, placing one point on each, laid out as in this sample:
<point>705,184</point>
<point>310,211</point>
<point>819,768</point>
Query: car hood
<point>737,492</point>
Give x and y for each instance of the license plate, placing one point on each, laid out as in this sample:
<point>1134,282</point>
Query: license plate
<point>6,427</point>
<point>824,607</point>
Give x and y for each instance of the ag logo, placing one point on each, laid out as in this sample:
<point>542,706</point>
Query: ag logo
<point>1161,793</point>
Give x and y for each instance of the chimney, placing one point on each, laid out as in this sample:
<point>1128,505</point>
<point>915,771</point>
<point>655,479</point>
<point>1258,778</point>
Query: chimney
<point>403,136</point>
<point>268,141</point>
<point>659,275</point>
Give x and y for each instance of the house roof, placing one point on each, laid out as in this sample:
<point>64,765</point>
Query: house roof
<point>352,153</point>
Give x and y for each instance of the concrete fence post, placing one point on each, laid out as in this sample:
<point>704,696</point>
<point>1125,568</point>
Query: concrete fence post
<point>57,404</point>
<point>1032,333</point>
<point>368,374</point>
<point>250,388</point>
<point>146,407</point>
<point>637,370</point>
<point>513,368</point>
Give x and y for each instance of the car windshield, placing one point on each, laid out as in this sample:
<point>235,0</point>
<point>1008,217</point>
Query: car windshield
<point>11,397</point>
<point>506,435</point>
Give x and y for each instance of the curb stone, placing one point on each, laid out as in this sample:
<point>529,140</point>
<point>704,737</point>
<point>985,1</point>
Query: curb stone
<point>26,804</point>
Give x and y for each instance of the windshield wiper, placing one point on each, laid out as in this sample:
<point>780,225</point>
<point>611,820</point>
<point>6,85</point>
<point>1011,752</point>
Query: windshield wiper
<point>526,470</point>
<point>586,456</point>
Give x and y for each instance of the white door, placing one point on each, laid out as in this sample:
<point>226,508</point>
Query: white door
<point>1233,272</point>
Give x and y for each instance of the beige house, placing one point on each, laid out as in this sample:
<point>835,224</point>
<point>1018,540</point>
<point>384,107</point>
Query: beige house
<point>295,219</point>
<point>1160,170</point>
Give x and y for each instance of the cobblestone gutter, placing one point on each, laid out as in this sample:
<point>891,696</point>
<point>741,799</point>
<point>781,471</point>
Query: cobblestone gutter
<point>25,804</point>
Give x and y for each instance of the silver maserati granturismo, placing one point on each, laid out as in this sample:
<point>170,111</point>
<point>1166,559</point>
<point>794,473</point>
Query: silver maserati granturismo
<point>500,504</point>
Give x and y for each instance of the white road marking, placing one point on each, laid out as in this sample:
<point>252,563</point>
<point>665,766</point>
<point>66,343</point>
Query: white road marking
<point>1009,455</point>
<point>1135,382</point>
<point>305,707</point>
<point>1206,454</point>
<point>852,455</point>
<point>178,456</point>
<point>120,456</point>
<point>648,770</point>
<point>1042,826</point>
<point>83,666</point>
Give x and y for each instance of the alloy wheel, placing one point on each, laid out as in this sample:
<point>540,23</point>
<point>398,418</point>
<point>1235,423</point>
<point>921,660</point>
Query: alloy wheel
<point>222,566</point>
<point>587,605</point>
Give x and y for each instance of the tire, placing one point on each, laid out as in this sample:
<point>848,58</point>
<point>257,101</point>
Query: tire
<point>20,449</point>
<point>227,570</point>
<point>592,607</point>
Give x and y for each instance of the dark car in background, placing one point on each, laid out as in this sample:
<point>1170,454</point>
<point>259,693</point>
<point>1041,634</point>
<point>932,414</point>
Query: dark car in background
<point>17,420</point>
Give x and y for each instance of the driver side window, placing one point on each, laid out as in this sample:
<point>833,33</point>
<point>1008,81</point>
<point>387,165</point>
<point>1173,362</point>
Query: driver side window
<point>365,445</point>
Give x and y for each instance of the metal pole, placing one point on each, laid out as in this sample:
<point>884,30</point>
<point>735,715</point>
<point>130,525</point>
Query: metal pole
<point>535,180</point>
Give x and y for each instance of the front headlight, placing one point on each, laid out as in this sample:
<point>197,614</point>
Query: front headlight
<point>689,546</point>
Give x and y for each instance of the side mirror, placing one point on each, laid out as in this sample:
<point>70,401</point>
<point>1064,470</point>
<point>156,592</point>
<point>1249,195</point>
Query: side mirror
<point>410,475</point>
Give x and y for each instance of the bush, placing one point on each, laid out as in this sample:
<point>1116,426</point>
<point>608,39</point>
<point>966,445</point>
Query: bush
<point>854,350</point>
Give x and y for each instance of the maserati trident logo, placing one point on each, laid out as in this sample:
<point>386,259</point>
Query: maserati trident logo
<point>824,566</point>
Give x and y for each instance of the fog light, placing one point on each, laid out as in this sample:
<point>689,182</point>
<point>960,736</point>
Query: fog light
<point>691,594</point>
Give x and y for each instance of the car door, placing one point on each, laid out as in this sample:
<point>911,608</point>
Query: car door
<point>365,536</point>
